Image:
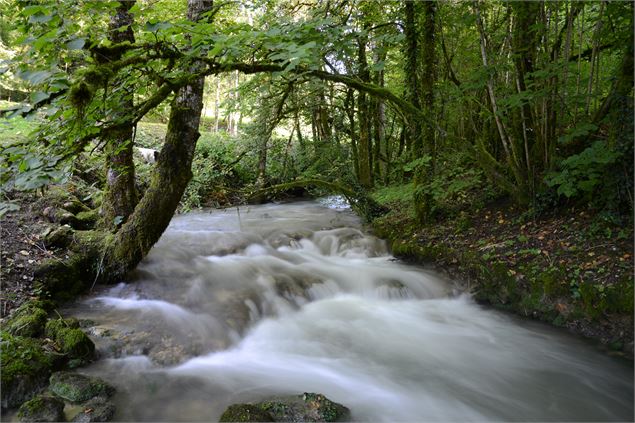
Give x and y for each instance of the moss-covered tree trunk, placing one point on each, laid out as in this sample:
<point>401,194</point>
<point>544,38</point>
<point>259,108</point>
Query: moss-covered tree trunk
<point>425,173</point>
<point>364,144</point>
<point>171,175</point>
<point>120,194</point>
<point>411,68</point>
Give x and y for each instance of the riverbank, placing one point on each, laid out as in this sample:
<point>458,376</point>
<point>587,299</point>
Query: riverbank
<point>573,269</point>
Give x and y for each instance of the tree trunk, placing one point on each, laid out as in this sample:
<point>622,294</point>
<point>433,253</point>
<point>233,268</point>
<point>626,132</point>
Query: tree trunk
<point>379,121</point>
<point>217,104</point>
<point>120,194</point>
<point>171,175</point>
<point>349,105</point>
<point>424,174</point>
<point>415,140</point>
<point>364,145</point>
<point>519,190</point>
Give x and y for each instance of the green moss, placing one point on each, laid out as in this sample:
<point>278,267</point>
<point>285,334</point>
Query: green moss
<point>42,409</point>
<point>87,219</point>
<point>75,387</point>
<point>28,320</point>
<point>553,281</point>
<point>54,326</point>
<point>245,413</point>
<point>72,341</point>
<point>25,368</point>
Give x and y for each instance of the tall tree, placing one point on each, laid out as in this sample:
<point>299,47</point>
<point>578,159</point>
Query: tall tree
<point>120,194</point>
<point>170,178</point>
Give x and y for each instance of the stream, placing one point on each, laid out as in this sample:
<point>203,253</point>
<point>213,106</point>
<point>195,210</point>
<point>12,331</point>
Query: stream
<point>238,305</point>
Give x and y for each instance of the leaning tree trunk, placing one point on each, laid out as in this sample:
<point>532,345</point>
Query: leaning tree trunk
<point>120,194</point>
<point>171,175</point>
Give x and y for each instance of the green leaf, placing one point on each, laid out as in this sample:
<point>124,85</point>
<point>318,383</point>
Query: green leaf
<point>6,207</point>
<point>40,18</point>
<point>76,44</point>
<point>157,26</point>
<point>32,10</point>
<point>35,77</point>
<point>39,96</point>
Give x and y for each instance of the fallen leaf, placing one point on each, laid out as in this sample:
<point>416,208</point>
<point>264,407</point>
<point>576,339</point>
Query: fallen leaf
<point>24,252</point>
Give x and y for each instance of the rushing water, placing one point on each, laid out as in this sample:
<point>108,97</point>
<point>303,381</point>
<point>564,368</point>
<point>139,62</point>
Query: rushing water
<point>241,304</point>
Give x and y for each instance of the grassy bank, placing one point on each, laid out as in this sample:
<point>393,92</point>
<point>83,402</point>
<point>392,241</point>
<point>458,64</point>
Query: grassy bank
<point>573,269</point>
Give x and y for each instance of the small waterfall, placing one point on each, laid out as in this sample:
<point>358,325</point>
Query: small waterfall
<point>298,298</point>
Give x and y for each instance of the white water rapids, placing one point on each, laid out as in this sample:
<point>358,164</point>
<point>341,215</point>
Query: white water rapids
<point>234,306</point>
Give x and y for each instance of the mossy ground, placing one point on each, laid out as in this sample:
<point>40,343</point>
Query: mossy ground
<point>572,269</point>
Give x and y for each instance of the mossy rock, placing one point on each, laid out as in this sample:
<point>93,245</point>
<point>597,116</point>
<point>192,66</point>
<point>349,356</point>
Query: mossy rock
<point>307,407</point>
<point>60,237</point>
<point>245,413</point>
<point>87,219</point>
<point>75,206</point>
<point>63,280</point>
<point>55,326</point>
<point>97,409</point>
<point>42,409</point>
<point>25,368</point>
<point>28,320</point>
<point>77,388</point>
<point>71,340</point>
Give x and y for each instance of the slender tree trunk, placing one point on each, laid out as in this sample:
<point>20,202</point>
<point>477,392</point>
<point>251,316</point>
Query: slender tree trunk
<point>594,57</point>
<point>120,194</point>
<point>217,103</point>
<point>170,177</point>
<point>349,105</point>
<point>415,139</point>
<point>425,174</point>
<point>364,152</point>
<point>519,190</point>
<point>524,42</point>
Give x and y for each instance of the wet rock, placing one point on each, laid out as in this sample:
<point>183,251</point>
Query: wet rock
<point>71,340</point>
<point>98,409</point>
<point>57,237</point>
<point>42,409</point>
<point>28,320</point>
<point>76,387</point>
<point>26,367</point>
<point>245,413</point>
<point>307,407</point>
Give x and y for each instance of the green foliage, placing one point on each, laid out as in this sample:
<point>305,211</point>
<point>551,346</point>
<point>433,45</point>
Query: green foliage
<point>218,168</point>
<point>456,187</point>
<point>583,175</point>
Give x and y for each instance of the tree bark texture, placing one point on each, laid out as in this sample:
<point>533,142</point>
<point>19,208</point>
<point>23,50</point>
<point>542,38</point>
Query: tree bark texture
<point>120,194</point>
<point>171,175</point>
